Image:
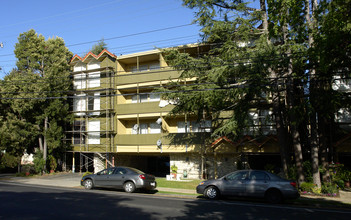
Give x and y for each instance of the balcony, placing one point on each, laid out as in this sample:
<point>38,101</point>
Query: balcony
<point>147,76</point>
<point>167,139</point>
<point>140,108</point>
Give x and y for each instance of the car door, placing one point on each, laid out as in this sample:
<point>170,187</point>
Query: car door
<point>234,184</point>
<point>101,178</point>
<point>257,184</point>
<point>117,178</point>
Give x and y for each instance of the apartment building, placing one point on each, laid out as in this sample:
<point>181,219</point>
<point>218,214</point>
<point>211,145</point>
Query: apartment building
<point>121,119</point>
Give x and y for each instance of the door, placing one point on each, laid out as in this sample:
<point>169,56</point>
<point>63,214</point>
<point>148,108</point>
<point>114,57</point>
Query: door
<point>117,178</point>
<point>234,184</point>
<point>257,184</point>
<point>102,177</point>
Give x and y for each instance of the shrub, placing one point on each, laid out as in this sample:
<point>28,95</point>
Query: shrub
<point>307,187</point>
<point>174,168</point>
<point>87,173</point>
<point>329,189</point>
<point>39,162</point>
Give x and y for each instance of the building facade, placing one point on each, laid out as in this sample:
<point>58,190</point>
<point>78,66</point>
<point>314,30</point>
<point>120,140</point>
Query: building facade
<point>120,119</point>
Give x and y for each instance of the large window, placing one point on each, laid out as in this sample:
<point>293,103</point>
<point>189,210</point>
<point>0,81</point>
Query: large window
<point>79,104</point>
<point>202,126</point>
<point>94,103</point>
<point>146,128</point>
<point>78,132</point>
<point>145,67</point>
<point>147,97</point>
<point>94,132</point>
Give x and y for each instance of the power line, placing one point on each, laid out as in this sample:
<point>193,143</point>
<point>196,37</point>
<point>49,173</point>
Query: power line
<point>130,35</point>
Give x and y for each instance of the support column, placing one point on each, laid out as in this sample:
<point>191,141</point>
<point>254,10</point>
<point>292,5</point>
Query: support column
<point>73,162</point>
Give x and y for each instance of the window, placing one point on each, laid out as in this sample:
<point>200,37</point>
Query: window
<point>145,67</point>
<point>94,132</point>
<point>237,175</point>
<point>79,81</point>
<point>154,97</point>
<point>94,104</point>
<point>145,128</point>
<point>155,128</point>
<point>93,79</point>
<point>79,103</point>
<point>146,98</point>
<point>256,175</point>
<point>202,126</point>
<point>183,127</point>
<point>143,97</point>
<point>78,136</point>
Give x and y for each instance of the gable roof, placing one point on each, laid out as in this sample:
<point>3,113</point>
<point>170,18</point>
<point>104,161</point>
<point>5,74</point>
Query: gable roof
<point>90,55</point>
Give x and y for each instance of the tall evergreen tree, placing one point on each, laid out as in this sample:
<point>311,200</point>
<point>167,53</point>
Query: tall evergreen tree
<point>265,50</point>
<point>36,92</point>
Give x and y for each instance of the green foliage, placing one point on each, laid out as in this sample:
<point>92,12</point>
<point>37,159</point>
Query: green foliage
<point>87,173</point>
<point>99,47</point>
<point>174,169</point>
<point>329,189</point>
<point>44,66</point>
<point>52,162</point>
<point>191,184</point>
<point>307,169</point>
<point>39,162</point>
<point>307,187</point>
<point>8,161</point>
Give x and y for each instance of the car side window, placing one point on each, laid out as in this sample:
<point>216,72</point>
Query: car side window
<point>237,176</point>
<point>257,175</point>
<point>103,172</point>
<point>121,171</point>
<point>110,171</point>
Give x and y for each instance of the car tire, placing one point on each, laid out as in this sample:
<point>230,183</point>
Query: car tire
<point>211,192</point>
<point>129,187</point>
<point>274,196</point>
<point>88,184</point>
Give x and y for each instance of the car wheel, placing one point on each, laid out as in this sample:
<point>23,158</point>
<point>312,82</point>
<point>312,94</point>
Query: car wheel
<point>273,196</point>
<point>129,187</point>
<point>211,192</point>
<point>88,184</point>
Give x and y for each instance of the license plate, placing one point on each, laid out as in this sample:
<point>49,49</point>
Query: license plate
<point>152,184</point>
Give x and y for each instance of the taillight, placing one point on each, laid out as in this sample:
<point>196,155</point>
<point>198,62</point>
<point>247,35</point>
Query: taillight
<point>293,184</point>
<point>141,176</point>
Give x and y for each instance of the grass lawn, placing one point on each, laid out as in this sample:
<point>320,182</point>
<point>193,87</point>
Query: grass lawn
<point>188,184</point>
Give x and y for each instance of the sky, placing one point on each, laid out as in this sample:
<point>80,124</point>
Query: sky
<point>127,26</point>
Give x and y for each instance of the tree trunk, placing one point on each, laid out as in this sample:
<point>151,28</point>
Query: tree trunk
<point>281,131</point>
<point>45,147</point>
<point>313,128</point>
<point>282,135</point>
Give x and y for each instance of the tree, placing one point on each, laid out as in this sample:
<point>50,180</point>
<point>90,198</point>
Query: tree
<point>36,92</point>
<point>99,47</point>
<point>271,49</point>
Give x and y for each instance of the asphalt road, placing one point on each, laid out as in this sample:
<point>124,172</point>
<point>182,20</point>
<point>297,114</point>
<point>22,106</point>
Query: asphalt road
<point>20,201</point>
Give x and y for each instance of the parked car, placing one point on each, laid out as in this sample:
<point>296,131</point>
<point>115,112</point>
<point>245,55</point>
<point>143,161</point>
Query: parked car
<point>127,178</point>
<point>250,183</point>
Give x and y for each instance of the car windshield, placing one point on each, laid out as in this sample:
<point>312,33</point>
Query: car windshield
<point>136,170</point>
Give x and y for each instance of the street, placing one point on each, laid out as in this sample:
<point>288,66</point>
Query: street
<point>20,201</point>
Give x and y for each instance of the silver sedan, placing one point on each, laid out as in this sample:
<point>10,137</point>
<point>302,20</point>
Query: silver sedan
<point>127,178</point>
<point>250,183</point>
